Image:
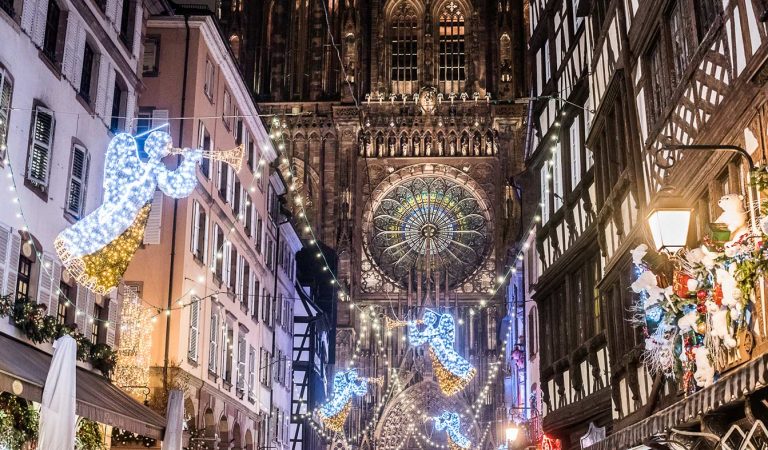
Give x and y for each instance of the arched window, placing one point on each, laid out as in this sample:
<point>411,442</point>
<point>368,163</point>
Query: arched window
<point>234,44</point>
<point>404,45</point>
<point>505,55</point>
<point>452,73</point>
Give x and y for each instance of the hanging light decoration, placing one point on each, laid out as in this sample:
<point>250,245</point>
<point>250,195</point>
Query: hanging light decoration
<point>346,384</point>
<point>450,422</point>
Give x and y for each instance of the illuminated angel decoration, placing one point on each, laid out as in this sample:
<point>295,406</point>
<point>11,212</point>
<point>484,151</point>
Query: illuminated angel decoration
<point>346,384</point>
<point>449,421</point>
<point>452,370</point>
<point>97,249</point>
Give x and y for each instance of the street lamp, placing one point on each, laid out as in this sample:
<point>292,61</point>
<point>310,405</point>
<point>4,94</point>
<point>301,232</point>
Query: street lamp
<point>669,218</point>
<point>669,221</point>
<point>511,434</point>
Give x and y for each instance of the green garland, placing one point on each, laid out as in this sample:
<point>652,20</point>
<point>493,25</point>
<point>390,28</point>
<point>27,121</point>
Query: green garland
<point>33,321</point>
<point>18,422</point>
<point>88,436</point>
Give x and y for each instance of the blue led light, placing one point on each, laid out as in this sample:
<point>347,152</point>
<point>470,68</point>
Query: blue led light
<point>346,384</point>
<point>129,185</point>
<point>440,334</point>
<point>449,421</point>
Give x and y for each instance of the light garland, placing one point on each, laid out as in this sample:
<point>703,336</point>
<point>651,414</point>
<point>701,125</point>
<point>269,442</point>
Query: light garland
<point>449,421</point>
<point>346,385</point>
<point>453,371</point>
<point>135,345</point>
<point>97,249</point>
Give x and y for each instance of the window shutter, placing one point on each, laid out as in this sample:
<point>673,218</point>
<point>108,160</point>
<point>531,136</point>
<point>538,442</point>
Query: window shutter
<point>130,110</point>
<point>80,308</point>
<point>107,114</point>
<point>575,140</point>
<point>38,27</point>
<point>112,11</point>
<point>45,282</point>
<point>5,237</point>
<point>159,118</point>
<point>204,250</point>
<point>102,87</point>
<point>154,222</point>
<point>239,279</point>
<point>230,185</point>
<point>195,229</point>
<point>213,340</point>
<point>42,142</point>
<point>77,181</point>
<point>79,42</point>
<point>241,362</point>
<point>13,263</point>
<point>70,49</point>
<point>194,325</point>
<point>137,24</point>
<point>28,15</point>
<point>112,316</point>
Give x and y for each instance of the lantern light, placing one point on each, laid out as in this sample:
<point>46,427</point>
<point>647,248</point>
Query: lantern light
<point>669,221</point>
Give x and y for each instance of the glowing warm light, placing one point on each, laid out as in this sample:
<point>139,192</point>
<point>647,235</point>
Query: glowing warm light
<point>134,349</point>
<point>669,228</point>
<point>97,249</point>
<point>346,384</point>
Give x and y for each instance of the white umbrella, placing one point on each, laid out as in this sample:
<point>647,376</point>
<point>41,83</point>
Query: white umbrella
<point>57,414</point>
<point>175,421</point>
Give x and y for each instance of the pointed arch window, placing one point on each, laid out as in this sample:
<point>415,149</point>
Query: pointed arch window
<point>404,47</point>
<point>452,56</point>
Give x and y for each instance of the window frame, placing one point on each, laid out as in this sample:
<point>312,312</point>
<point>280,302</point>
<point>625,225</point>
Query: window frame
<point>155,68</point>
<point>40,182</point>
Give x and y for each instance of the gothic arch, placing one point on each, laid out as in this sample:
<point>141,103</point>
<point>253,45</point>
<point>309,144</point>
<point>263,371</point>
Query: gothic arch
<point>236,439</point>
<point>223,432</point>
<point>209,425</point>
<point>249,443</point>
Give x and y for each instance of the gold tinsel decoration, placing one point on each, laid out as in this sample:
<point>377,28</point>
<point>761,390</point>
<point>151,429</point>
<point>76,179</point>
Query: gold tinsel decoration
<point>449,383</point>
<point>101,271</point>
<point>336,423</point>
<point>453,446</point>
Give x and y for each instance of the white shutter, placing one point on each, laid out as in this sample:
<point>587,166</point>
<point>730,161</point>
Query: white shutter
<point>154,222</point>
<point>45,282</point>
<point>204,250</point>
<point>575,140</point>
<point>28,15</point>
<point>111,11</point>
<point>13,263</point>
<point>239,279</point>
<point>130,110</point>
<point>77,181</point>
<point>194,326</point>
<point>103,85</point>
<point>159,118</point>
<point>107,114</point>
<point>43,130</point>
<point>241,362</point>
<point>79,39</point>
<point>213,342</point>
<point>225,258</point>
<point>90,301</point>
<point>230,185</point>
<point>137,23</point>
<point>70,49</point>
<point>5,237</point>
<point>81,309</point>
<point>112,316</point>
<point>38,27</point>
<point>195,229</point>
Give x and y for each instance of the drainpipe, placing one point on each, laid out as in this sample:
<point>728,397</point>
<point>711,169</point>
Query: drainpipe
<point>169,303</point>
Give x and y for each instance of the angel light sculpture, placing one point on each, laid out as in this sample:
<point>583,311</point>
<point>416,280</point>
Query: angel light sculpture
<point>453,372</point>
<point>346,384</point>
<point>97,249</point>
<point>449,421</point>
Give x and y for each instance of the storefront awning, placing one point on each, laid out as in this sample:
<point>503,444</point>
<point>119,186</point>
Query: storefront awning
<point>23,369</point>
<point>730,388</point>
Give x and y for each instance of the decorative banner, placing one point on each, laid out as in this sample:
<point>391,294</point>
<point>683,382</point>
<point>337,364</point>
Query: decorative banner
<point>346,384</point>
<point>453,372</point>
<point>97,249</point>
<point>449,421</point>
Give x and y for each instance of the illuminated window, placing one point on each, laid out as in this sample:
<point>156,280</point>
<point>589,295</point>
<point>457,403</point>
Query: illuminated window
<point>452,73</point>
<point>404,59</point>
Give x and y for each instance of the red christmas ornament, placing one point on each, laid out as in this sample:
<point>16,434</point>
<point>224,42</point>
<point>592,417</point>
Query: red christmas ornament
<point>701,308</point>
<point>718,296</point>
<point>701,294</point>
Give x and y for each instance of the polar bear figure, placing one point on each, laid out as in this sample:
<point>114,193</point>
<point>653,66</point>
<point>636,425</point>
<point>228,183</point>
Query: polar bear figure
<point>719,328</point>
<point>734,214</point>
<point>705,373</point>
